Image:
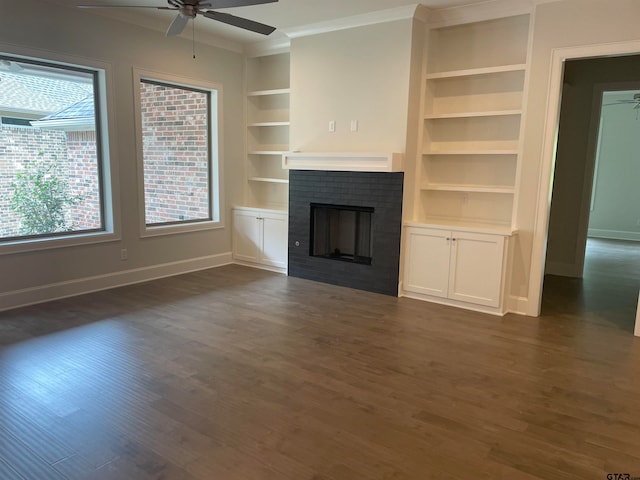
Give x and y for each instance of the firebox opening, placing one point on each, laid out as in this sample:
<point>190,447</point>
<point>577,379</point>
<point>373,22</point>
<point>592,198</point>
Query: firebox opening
<point>341,232</point>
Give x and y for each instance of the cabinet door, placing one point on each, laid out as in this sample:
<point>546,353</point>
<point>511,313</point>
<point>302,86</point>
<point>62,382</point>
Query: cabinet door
<point>274,240</point>
<point>476,268</point>
<point>246,235</point>
<point>426,264</point>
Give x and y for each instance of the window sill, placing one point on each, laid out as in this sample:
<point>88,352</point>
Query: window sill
<point>39,244</point>
<point>162,230</point>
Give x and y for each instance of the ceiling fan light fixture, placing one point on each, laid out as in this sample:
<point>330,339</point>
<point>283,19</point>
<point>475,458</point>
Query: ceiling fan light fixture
<point>189,9</point>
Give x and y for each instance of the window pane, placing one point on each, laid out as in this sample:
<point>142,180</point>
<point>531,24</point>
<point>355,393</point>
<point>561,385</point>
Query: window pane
<point>176,159</point>
<point>50,181</point>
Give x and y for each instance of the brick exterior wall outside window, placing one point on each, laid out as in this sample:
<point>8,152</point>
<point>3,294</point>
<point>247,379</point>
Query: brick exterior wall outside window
<point>18,147</point>
<point>175,153</point>
<point>176,162</point>
<point>83,179</point>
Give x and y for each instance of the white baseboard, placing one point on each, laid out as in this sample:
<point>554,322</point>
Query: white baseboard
<point>562,269</point>
<point>517,305</point>
<point>55,291</point>
<point>613,234</point>
<point>452,303</point>
<point>260,266</point>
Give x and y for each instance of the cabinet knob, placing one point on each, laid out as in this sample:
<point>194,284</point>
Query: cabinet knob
<point>453,239</point>
<point>448,239</point>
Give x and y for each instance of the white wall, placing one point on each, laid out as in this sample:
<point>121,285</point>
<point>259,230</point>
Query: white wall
<point>616,193</point>
<point>356,74</point>
<point>52,31</point>
<point>569,23</point>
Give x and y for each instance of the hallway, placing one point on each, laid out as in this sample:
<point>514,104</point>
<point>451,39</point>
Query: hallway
<point>607,294</point>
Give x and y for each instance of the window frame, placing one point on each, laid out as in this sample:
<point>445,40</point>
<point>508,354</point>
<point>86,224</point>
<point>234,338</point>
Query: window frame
<point>110,230</point>
<point>216,196</point>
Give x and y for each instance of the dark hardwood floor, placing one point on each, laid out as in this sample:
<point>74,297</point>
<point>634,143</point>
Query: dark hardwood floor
<point>607,294</point>
<point>235,373</point>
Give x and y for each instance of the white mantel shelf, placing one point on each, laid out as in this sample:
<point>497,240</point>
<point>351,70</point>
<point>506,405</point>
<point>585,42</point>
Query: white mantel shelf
<point>353,162</point>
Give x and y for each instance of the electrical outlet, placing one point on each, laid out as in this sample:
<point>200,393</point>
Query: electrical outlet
<point>124,254</point>
<point>332,126</point>
<point>354,125</point>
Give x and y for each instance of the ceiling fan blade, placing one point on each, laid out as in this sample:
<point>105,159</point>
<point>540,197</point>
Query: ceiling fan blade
<point>177,26</point>
<point>216,4</point>
<point>124,6</point>
<point>240,22</point>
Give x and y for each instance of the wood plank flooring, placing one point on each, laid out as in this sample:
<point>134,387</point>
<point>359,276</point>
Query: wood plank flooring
<point>235,373</point>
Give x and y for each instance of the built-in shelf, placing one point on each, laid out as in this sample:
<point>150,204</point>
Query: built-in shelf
<point>444,223</point>
<point>471,152</point>
<point>267,103</point>
<point>494,113</point>
<point>268,180</point>
<point>275,91</point>
<point>269,150</point>
<point>476,71</point>
<point>471,126</point>
<point>468,188</point>
<point>269,124</point>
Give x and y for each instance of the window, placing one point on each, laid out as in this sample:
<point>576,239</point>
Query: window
<point>178,137</point>
<point>51,163</point>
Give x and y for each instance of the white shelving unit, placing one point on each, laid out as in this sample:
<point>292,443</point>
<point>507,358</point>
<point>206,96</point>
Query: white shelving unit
<point>260,224</point>
<point>471,131</point>
<point>457,245</point>
<point>267,117</point>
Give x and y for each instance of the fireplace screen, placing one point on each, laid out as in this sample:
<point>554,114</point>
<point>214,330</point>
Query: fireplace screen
<point>341,233</point>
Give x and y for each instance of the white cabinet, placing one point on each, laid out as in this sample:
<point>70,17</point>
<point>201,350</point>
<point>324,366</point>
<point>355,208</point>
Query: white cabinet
<point>462,268</point>
<point>260,238</point>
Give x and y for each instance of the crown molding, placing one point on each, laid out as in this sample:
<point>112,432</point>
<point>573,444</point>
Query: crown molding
<point>372,18</point>
<point>271,46</point>
<point>478,12</point>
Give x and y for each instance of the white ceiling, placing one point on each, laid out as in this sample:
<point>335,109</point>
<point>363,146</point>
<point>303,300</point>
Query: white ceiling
<point>286,14</point>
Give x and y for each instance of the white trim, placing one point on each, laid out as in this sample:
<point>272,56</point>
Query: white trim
<point>216,184</point>
<point>453,303</point>
<point>541,226</point>
<point>517,305</point>
<point>365,19</point>
<point>48,243</point>
<point>71,288</point>
<point>352,162</point>
<point>271,46</point>
<point>637,329</point>
<point>108,139</point>
<point>479,12</point>
<point>613,234</point>
<point>67,124</point>
<point>261,266</point>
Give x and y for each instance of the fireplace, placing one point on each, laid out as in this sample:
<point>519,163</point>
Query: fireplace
<point>344,228</point>
<point>340,232</point>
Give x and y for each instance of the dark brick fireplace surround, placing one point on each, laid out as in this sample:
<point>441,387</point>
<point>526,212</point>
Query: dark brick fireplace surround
<point>378,190</point>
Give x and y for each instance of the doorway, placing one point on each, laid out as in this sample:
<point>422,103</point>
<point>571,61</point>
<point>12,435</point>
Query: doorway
<point>593,190</point>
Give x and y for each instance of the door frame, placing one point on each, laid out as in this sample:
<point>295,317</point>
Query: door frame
<point>547,164</point>
<point>591,172</point>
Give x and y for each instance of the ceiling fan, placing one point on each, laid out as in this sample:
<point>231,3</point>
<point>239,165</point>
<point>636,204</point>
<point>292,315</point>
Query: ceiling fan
<point>635,101</point>
<point>189,9</point>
